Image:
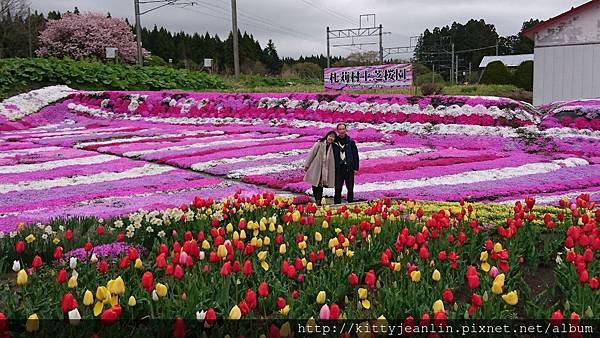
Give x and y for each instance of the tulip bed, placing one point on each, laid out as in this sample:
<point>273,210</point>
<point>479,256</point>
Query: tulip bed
<point>107,178</point>
<point>275,261</point>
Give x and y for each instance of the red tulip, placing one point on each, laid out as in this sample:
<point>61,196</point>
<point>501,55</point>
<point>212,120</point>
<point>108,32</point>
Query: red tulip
<point>226,269</point>
<point>280,303</point>
<point>334,312</point>
<point>132,253</point>
<point>251,298</point>
<point>37,262</point>
<point>448,296</point>
<point>584,276</point>
<point>442,255</point>
<point>594,283</point>
<point>100,230</point>
<point>211,316</point>
<point>353,279</point>
<point>179,328</point>
<point>3,323</point>
<point>178,272</point>
<point>244,308</point>
<point>161,261</point>
<point>102,266</point>
<point>476,300</point>
<point>20,246</point>
<point>263,289</point>
<point>124,262</point>
<point>247,269</point>
<point>69,235</point>
<point>109,316</point>
<point>68,302</point>
<point>424,253</point>
<point>88,247</point>
<point>120,237</point>
<point>58,252</point>
<point>295,294</point>
<point>370,279</point>
<point>148,281</point>
<point>236,266</point>
<point>557,317</point>
<point>61,276</point>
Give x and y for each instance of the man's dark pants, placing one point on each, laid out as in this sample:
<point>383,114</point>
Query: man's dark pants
<point>344,174</point>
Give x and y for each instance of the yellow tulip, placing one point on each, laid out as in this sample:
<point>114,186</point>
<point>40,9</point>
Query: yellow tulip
<point>339,252</point>
<point>377,230</point>
<point>205,245</point>
<point>321,297</point>
<point>253,242</point>
<point>349,253</point>
<point>118,287</point>
<point>285,329</point>
<point>55,241</point>
<point>279,229</point>
<point>285,310</point>
<point>282,249</point>
<point>138,264</point>
<point>325,225</point>
<point>242,234</point>
<point>264,265</point>
<point>309,266</point>
<point>483,257</point>
<point>271,227</point>
<point>88,298</point>
<point>262,255</point>
<point>511,298</point>
<point>412,217</point>
<point>415,276</point>
<point>318,236</point>
<point>497,288</point>
<point>436,276</point>
<point>102,294</point>
<point>33,323</point>
<point>266,240</point>
<point>302,245</point>
<point>397,266</point>
<point>333,243</point>
<point>98,308</point>
<point>438,306</point>
<point>366,304</point>
<point>236,235</point>
<point>222,251</point>
<point>485,266</point>
<point>362,293</point>
<point>259,242</point>
<point>161,290</point>
<point>21,277</point>
<point>72,283</point>
<point>497,247</point>
<point>296,216</point>
<point>229,228</point>
<point>235,313</point>
<point>131,301</point>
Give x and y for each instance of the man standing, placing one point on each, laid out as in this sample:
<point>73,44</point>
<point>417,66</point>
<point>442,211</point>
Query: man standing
<point>346,164</point>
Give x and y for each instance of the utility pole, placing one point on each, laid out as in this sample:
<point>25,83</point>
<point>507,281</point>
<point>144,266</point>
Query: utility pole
<point>380,44</point>
<point>138,32</point>
<point>456,70</point>
<point>328,52</point>
<point>29,31</point>
<point>452,68</point>
<point>236,52</point>
<point>497,48</point>
<point>470,65</point>
<point>433,73</point>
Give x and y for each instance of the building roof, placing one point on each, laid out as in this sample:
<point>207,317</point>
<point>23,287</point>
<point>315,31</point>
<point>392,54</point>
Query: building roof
<point>574,10</point>
<point>508,60</point>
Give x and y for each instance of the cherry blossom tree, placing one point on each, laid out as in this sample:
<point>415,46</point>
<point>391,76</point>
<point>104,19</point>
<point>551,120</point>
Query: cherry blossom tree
<point>87,35</point>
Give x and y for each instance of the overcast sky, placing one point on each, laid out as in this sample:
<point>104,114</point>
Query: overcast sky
<point>298,26</point>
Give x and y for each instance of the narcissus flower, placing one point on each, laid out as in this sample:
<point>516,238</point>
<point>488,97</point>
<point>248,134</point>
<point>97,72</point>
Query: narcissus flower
<point>321,297</point>
<point>511,298</point>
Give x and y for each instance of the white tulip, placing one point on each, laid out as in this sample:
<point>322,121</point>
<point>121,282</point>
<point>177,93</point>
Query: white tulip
<point>200,315</point>
<point>16,266</point>
<point>154,295</point>
<point>201,255</point>
<point>94,258</point>
<point>74,317</point>
<point>73,263</point>
<point>75,274</point>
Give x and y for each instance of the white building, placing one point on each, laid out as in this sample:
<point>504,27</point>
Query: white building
<point>567,55</point>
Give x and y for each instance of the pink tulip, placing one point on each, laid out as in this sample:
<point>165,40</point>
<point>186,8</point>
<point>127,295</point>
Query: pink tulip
<point>324,313</point>
<point>494,272</point>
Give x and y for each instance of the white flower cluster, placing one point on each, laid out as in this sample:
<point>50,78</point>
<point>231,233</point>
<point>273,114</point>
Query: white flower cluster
<point>351,107</point>
<point>17,107</point>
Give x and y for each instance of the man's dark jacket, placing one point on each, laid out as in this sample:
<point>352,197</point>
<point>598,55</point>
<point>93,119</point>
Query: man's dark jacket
<point>350,150</point>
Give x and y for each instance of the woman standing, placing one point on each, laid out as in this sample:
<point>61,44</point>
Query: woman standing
<point>320,166</point>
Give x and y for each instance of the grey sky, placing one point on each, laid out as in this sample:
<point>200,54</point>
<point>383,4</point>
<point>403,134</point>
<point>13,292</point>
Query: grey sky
<point>298,26</point>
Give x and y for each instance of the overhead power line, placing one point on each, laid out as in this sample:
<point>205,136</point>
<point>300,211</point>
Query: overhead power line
<point>330,11</point>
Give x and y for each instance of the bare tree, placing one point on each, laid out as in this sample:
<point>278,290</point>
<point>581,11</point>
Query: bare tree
<point>13,7</point>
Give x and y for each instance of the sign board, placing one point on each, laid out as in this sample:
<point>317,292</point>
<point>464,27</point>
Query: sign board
<point>111,52</point>
<point>208,63</point>
<point>367,77</point>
